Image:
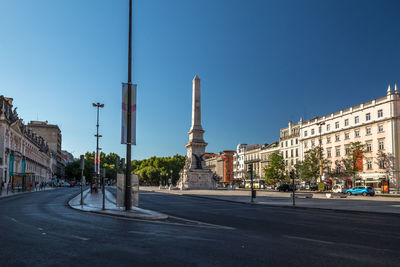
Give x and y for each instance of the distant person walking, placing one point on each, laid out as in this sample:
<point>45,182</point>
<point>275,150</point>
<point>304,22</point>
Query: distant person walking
<point>9,187</point>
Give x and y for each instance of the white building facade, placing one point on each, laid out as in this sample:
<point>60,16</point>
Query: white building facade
<point>375,124</point>
<point>289,144</point>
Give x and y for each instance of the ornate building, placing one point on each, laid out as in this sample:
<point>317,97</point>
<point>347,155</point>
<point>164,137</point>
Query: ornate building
<point>22,152</point>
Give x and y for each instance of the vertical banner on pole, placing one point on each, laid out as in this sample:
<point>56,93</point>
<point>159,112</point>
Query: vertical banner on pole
<point>125,114</point>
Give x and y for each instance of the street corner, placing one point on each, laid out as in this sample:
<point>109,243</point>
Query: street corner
<point>93,203</point>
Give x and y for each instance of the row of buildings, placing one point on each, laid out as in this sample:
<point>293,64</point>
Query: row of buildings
<point>375,124</point>
<point>28,153</point>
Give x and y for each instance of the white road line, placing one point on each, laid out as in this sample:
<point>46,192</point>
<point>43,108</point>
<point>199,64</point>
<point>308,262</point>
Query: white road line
<point>40,228</point>
<point>309,239</point>
<point>80,238</point>
<point>14,220</point>
<point>172,235</point>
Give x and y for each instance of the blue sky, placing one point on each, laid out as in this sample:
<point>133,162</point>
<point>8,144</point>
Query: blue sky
<point>261,64</point>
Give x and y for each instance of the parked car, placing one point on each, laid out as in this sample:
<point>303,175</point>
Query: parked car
<point>314,187</point>
<point>362,190</point>
<point>285,188</point>
<point>338,188</point>
<point>65,184</point>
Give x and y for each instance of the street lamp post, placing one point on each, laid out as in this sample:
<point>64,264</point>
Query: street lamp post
<point>320,149</point>
<point>97,159</point>
<point>128,185</point>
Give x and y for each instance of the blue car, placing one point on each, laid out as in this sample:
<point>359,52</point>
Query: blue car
<point>361,190</point>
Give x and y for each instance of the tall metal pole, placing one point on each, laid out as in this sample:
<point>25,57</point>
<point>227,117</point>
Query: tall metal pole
<point>97,158</point>
<point>97,143</point>
<point>128,193</point>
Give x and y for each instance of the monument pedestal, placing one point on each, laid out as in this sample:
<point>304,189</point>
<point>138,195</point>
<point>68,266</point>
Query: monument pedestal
<point>197,179</point>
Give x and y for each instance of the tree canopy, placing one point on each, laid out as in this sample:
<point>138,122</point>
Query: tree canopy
<point>275,170</point>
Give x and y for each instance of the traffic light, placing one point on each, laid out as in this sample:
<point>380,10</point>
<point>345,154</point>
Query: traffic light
<point>292,174</point>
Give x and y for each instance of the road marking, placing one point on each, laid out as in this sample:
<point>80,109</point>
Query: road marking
<point>40,228</point>
<point>80,238</point>
<point>43,233</point>
<point>334,243</point>
<point>309,239</point>
<point>201,224</point>
<point>14,220</point>
<point>171,235</point>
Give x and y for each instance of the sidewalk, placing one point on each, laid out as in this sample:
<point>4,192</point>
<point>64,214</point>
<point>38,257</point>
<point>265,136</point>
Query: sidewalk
<point>319,201</point>
<point>93,203</point>
<point>10,193</point>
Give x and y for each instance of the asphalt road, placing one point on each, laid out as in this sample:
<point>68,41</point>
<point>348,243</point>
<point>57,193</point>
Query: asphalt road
<point>39,229</point>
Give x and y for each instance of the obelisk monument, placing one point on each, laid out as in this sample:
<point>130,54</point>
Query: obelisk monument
<point>195,175</point>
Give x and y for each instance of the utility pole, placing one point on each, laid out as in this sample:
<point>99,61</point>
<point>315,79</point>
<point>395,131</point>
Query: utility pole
<point>128,186</point>
<point>82,178</point>
<point>293,187</point>
<point>320,149</point>
<point>251,181</point>
<point>97,159</point>
<point>103,191</point>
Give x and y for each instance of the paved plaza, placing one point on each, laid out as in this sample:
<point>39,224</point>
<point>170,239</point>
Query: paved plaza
<point>381,204</point>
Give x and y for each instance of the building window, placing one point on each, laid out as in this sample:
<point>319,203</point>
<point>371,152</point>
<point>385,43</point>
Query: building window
<point>328,152</point>
<point>291,153</point>
<point>291,142</point>
<point>282,144</point>
<point>305,144</point>
<point>357,133</point>
<point>287,153</point>
<point>286,143</point>
<point>369,147</point>
<point>369,164</point>
<point>367,116</point>
<point>356,119</point>
<point>347,150</point>
<point>286,162</point>
<point>346,135</point>
<point>346,122</point>
<point>297,141</point>
<point>291,161</point>
<point>380,128</point>
<point>328,139</point>
<point>328,127</point>
<point>337,125</point>
<point>381,145</point>
<point>337,137</point>
<point>297,152</point>
<point>337,151</point>
<point>305,133</point>
<point>368,130</point>
<point>380,113</point>
<point>312,143</point>
<point>312,131</point>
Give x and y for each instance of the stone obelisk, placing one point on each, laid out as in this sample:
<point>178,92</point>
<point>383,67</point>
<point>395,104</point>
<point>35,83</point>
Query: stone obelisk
<point>195,175</point>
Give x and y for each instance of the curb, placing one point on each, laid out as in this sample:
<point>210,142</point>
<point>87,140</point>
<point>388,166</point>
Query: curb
<point>24,193</point>
<point>115,213</point>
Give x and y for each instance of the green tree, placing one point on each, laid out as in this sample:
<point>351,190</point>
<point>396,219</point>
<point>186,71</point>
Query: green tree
<point>310,168</point>
<point>72,170</point>
<point>353,162</point>
<point>275,170</point>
